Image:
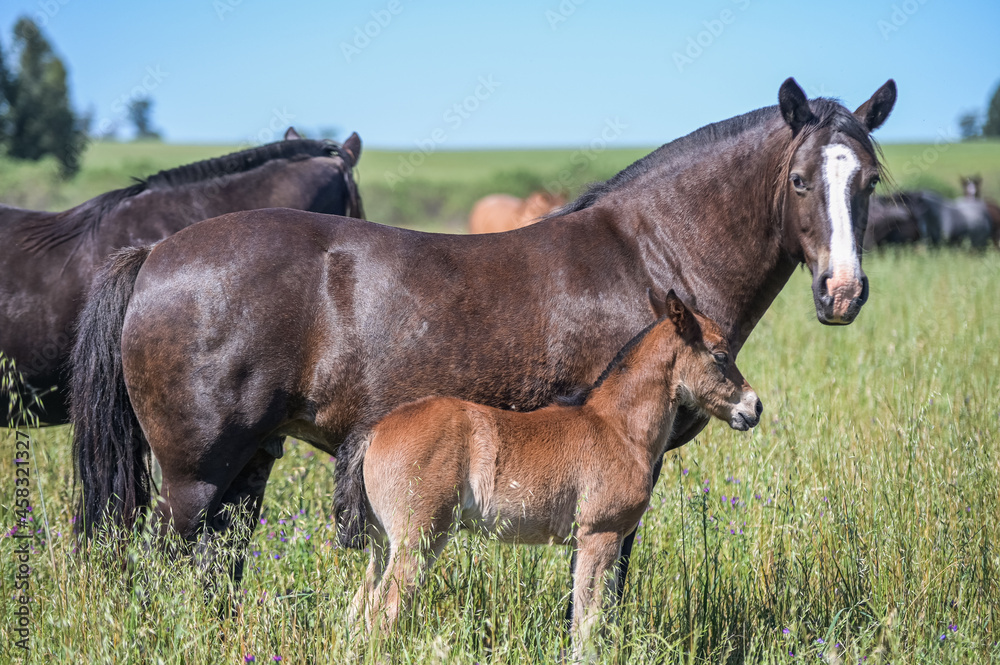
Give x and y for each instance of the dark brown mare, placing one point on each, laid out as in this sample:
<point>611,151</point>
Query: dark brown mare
<point>48,260</point>
<point>217,343</point>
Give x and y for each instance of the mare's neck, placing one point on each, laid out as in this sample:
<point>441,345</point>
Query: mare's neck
<point>708,226</point>
<point>637,398</point>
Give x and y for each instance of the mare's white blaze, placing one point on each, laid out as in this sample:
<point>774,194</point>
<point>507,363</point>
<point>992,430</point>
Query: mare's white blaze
<point>839,166</point>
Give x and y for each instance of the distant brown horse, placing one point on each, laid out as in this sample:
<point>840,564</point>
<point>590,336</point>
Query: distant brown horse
<point>48,259</point>
<point>579,475</point>
<point>213,346</point>
<point>497,213</point>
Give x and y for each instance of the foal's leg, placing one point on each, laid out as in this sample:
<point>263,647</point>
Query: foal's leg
<point>593,583</point>
<point>365,597</point>
<point>412,553</point>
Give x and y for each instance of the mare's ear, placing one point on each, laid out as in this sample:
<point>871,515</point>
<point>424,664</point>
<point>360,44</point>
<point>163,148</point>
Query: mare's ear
<point>291,134</point>
<point>794,105</point>
<point>873,113</point>
<point>352,146</point>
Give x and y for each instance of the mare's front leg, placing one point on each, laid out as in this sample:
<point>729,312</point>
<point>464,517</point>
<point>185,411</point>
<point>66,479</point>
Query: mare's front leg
<point>593,585</point>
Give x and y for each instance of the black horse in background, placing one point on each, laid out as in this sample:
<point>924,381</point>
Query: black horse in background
<point>48,259</point>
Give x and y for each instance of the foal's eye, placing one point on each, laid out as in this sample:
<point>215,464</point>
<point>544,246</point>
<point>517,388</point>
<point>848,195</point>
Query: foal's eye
<point>798,183</point>
<point>721,359</point>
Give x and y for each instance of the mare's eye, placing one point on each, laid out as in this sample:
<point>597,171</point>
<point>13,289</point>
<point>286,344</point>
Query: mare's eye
<point>721,359</point>
<point>798,183</point>
<point>872,183</point>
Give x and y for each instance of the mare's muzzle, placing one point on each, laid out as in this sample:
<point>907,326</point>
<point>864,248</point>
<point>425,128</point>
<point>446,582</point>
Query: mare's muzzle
<point>839,296</point>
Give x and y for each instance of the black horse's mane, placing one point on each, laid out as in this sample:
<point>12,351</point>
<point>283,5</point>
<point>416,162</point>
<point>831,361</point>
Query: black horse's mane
<point>827,112</point>
<point>50,232</point>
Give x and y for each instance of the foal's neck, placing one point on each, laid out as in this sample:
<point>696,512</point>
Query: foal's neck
<point>637,398</point>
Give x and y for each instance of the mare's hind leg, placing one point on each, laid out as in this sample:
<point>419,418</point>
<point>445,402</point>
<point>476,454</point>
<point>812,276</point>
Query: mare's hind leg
<point>227,531</point>
<point>203,508</point>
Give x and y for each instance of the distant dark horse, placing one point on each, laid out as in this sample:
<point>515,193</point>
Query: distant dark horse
<point>48,260</point>
<point>225,338</point>
<point>904,218</point>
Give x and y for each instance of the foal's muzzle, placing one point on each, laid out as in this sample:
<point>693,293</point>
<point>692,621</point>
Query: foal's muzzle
<point>839,296</point>
<point>747,414</point>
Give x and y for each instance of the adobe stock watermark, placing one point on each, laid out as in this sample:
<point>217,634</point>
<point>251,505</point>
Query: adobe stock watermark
<point>454,117</point>
<point>699,43</point>
<point>898,17</point>
<point>611,131</point>
<point>23,536</point>
<point>562,12</point>
<point>281,119</point>
<point>153,77</point>
<point>363,35</point>
<point>917,165</point>
<point>47,10</point>
<point>224,7</point>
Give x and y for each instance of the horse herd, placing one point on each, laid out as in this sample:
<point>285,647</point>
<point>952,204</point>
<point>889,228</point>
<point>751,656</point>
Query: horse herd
<point>206,343</point>
<point>925,216</point>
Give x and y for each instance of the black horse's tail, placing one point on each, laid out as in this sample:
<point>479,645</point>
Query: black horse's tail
<point>111,453</point>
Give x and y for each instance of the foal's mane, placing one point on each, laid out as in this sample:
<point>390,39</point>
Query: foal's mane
<point>578,396</point>
<point>827,113</point>
<point>52,231</point>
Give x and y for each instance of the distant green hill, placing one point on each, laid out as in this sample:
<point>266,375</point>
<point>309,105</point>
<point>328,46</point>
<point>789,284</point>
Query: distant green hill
<point>437,190</point>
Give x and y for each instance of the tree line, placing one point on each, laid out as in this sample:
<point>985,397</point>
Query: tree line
<point>37,118</point>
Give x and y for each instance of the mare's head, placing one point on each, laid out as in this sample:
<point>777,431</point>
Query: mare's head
<point>830,174</point>
<point>705,371</point>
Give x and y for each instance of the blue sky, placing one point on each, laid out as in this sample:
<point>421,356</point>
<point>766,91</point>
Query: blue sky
<point>516,73</point>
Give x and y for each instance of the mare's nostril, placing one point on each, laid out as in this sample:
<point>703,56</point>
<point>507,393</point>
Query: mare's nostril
<point>759,408</point>
<point>823,279</point>
<point>863,298</point>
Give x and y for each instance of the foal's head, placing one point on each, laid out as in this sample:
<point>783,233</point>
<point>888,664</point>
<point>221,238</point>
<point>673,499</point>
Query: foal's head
<point>827,181</point>
<point>704,369</point>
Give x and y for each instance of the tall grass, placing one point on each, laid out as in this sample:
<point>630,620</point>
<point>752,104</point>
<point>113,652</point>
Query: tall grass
<point>858,522</point>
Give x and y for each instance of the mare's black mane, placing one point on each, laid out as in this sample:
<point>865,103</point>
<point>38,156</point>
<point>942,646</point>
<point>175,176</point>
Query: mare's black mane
<point>827,112</point>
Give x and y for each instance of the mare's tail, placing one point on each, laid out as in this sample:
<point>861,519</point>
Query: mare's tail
<point>110,452</point>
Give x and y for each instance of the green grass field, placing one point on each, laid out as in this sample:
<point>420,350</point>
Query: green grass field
<point>858,521</point>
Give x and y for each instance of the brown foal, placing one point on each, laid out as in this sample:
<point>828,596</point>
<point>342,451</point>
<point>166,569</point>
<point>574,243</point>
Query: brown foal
<point>580,474</point>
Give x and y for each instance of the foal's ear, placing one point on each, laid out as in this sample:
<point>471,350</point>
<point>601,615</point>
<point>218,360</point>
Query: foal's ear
<point>679,314</point>
<point>794,105</point>
<point>873,113</point>
<point>352,146</point>
<point>291,134</point>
